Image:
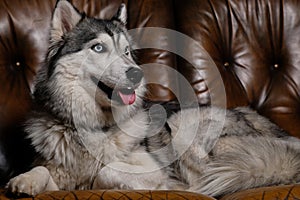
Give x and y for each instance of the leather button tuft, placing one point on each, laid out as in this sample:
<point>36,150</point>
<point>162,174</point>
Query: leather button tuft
<point>276,66</point>
<point>18,64</point>
<point>226,64</point>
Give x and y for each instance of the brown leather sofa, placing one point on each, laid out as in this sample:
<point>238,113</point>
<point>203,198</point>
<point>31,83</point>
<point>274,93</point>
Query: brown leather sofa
<point>253,44</point>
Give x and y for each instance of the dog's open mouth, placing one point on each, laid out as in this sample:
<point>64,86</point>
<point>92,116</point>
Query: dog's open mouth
<point>124,96</point>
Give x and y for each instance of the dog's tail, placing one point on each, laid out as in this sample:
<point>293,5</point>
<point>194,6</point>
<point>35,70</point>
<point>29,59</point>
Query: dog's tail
<point>252,162</point>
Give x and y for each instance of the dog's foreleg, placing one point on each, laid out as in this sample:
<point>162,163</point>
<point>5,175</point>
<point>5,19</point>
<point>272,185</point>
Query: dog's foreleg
<point>32,182</point>
<point>120,175</point>
<point>140,172</point>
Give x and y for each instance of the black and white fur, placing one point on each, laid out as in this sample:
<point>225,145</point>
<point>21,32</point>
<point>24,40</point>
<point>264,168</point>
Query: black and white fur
<point>91,132</point>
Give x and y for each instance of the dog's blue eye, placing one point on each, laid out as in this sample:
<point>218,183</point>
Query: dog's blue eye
<point>99,48</point>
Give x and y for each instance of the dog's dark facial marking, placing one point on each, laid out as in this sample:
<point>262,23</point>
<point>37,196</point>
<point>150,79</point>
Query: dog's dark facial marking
<point>124,96</point>
<point>107,90</point>
<point>76,39</point>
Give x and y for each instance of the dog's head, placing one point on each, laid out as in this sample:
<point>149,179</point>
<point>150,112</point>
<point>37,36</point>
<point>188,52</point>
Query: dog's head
<point>95,52</point>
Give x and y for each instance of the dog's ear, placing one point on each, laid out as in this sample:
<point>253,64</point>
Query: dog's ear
<point>121,15</point>
<point>64,19</point>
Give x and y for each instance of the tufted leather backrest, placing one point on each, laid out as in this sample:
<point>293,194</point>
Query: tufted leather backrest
<point>256,47</point>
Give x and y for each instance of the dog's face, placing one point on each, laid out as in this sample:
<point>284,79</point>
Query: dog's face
<point>97,53</point>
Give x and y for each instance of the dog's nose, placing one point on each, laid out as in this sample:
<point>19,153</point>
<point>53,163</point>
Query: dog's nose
<point>134,74</point>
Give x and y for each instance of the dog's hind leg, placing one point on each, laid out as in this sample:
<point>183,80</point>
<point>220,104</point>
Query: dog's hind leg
<point>239,163</point>
<point>32,182</point>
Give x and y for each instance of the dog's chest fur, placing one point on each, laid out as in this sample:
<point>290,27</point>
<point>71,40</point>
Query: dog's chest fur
<point>75,156</point>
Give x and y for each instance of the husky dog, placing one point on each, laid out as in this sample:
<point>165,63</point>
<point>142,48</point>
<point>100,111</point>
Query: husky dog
<point>90,131</point>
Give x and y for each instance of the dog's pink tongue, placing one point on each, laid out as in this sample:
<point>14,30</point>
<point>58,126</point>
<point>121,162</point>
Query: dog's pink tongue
<point>127,99</point>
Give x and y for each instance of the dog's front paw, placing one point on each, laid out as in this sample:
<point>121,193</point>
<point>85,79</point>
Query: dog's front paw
<point>25,183</point>
<point>31,183</point>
